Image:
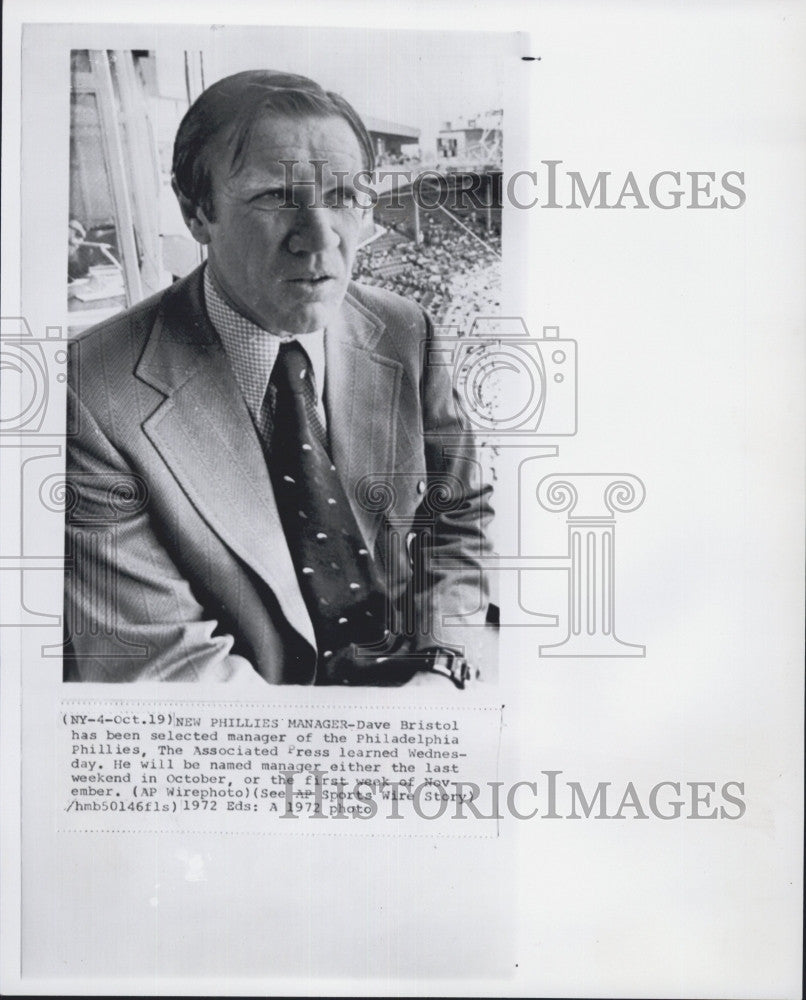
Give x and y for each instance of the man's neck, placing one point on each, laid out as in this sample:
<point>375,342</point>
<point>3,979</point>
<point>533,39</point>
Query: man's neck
<point>222,294</point>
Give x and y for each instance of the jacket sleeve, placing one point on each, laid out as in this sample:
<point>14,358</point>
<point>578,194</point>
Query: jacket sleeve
<point>129,614</point>
<point>449,589</point>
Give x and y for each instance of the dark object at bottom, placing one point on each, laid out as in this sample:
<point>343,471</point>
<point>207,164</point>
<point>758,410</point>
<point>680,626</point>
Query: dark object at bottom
<point>379,671</point>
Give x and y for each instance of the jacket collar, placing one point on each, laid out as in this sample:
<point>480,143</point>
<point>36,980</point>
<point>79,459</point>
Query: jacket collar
<point>205,435</point>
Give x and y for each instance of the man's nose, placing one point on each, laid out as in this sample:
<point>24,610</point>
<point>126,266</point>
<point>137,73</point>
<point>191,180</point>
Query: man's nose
<point>313,230</point>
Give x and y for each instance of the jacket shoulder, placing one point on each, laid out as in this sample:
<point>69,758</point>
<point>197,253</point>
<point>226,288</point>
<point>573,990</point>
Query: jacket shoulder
<point>390,308</point>
<point>110,350</point>
<point>116,344</point>
<point>123,324</point>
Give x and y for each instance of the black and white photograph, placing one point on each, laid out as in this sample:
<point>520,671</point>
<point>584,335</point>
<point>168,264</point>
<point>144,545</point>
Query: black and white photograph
<point>267,533</point>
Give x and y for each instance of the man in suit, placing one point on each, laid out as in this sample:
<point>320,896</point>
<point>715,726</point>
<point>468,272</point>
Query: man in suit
<point>192,501</point>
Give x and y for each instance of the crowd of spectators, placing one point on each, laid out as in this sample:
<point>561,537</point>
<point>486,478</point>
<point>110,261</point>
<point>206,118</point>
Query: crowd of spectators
<point>453,273</point>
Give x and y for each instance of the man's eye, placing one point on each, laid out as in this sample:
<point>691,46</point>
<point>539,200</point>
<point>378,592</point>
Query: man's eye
<point>272,198</point>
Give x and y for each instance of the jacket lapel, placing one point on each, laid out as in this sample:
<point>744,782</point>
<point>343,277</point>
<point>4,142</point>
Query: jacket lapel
<point>361,400</point>
<point>204,432</point>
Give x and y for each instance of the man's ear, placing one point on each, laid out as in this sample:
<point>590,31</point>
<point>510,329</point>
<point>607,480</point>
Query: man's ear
<point>195,219</point>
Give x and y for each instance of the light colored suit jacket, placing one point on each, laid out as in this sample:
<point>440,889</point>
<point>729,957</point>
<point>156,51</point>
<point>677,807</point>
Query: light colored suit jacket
<point>177,565</point>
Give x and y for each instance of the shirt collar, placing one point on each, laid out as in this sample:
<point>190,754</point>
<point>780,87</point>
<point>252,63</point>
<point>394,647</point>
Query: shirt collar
<point>252,350</point>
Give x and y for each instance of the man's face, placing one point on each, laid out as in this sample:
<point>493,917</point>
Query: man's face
<point>287,268</point>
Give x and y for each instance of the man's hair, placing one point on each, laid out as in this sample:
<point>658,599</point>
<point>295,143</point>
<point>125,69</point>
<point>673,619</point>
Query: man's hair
<point>229,110</point>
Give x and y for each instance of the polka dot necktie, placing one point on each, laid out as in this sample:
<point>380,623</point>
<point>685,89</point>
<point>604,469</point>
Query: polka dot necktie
<point>336,572</point>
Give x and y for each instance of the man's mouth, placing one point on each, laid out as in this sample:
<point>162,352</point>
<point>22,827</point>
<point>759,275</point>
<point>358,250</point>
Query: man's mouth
<point>313,287</point>
<point>312,279</point>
